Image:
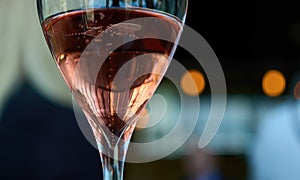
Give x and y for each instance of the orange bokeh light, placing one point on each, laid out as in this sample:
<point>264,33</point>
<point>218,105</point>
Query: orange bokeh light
<point>273,83</point>
<point>193,83</point>
<point>297,90</point>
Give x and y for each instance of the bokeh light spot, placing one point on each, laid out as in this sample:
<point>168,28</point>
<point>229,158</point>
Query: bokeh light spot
<point>297,91</point>
<point>193,83</point>
<point>273,83</point>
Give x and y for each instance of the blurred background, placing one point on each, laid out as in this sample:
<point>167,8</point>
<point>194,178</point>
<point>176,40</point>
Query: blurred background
<point>257,43</point>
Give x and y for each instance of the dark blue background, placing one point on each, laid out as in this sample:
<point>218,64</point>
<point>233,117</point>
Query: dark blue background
<point>41,140</point>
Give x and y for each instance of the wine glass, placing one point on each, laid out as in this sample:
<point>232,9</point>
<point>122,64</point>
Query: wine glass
<point>112,55</point>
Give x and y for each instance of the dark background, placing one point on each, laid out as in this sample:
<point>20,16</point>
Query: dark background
<point>249,38</point>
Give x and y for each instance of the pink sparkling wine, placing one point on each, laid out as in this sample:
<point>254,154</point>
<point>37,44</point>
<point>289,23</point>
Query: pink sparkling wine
<point>110,105</point>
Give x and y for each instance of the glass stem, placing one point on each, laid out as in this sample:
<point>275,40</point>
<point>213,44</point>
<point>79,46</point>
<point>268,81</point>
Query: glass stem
<point>113,152</point>
<point>113,159</point>
<point>112,167</point>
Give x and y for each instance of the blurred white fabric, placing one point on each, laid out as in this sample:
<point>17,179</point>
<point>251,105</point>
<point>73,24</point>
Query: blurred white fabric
<point>24,54</point>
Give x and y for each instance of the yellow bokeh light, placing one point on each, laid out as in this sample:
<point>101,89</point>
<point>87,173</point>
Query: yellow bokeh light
<point>193,83</point>
<point>273,83</point>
